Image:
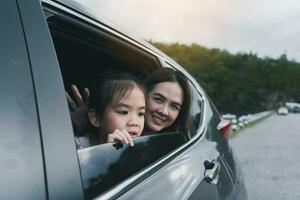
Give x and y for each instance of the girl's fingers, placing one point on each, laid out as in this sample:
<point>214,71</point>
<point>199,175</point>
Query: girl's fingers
<point>77,96</point>
<point>86,96</point>
<point>117,135</point>
<point>71,103</point>
<point>125,139</point>
<point>113,137</point>
<point>128,137</point>
<point>122,136</point>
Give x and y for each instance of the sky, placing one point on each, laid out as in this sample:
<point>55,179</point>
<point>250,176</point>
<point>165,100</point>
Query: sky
<point>265,27</point>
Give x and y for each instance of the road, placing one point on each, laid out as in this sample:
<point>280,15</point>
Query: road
<point>269,154</point>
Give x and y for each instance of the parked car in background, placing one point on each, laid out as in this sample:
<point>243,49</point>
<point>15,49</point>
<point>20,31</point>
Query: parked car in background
<point>233,120</point>
<point>48,45</point>
<point>296,109</point>
<point>282,111</point>
<point>244,120</point>
<point>293,107</point>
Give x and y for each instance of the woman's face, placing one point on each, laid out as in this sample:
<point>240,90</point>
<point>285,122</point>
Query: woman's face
<point>163,105</point>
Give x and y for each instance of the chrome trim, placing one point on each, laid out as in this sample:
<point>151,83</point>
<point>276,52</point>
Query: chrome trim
<point>113,193</point>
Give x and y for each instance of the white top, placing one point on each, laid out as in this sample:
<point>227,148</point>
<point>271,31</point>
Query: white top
<point>82,142</point>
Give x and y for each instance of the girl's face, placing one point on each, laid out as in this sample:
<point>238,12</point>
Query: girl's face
<point>163,105</point>
<point>128,114</point>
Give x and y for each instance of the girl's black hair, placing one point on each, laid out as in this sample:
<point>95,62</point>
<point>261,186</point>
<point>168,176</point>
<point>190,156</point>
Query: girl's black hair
<point>110,87</point>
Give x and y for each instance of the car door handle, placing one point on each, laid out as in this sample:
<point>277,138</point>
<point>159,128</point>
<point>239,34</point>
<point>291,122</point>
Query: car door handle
<point>212,169</point>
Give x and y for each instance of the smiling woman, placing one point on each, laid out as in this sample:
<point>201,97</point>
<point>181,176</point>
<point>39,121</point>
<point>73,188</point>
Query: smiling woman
<point>163,105</point>
<point>168,101</point>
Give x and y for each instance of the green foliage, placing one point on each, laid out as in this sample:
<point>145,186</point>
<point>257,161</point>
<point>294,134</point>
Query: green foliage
<point>238,83</point>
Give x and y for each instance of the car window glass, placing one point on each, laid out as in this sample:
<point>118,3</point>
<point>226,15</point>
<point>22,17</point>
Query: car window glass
<point>103,166</point>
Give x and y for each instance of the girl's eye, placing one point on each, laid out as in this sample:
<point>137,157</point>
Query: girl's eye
<point>122,112</point>
<point>141,114</point>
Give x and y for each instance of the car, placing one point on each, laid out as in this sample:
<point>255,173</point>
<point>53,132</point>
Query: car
<point>233,121</point>
<point>296,109</point>
<point>293,107</point>
<point>282,111</point>
<point>48,45</point>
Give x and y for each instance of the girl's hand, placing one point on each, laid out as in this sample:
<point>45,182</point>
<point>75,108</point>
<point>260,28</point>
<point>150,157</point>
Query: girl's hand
<point>122,136</point>
<point>79,108</point>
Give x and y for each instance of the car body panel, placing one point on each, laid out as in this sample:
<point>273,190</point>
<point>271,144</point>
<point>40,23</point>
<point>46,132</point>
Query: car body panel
<point>20,145</point>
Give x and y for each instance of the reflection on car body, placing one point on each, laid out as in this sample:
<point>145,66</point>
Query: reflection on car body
<point>48,45</point>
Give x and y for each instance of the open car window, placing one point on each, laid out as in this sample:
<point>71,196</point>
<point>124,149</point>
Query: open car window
<point>84,51</point>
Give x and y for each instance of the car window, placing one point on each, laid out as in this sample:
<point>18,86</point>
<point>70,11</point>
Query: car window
<point>85,51</point>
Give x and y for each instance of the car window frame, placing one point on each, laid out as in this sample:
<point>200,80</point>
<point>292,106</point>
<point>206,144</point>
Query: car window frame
<point>62,173</point>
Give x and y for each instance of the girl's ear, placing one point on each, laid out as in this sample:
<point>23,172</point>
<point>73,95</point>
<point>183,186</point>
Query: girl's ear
<point>93,118</point>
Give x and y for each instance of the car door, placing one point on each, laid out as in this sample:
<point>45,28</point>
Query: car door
<point>62,172</point>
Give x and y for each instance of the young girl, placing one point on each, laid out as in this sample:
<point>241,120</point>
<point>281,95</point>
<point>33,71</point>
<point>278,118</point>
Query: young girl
<point>118,108</point>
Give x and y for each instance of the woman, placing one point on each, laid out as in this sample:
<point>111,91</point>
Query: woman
<point>168,102</point>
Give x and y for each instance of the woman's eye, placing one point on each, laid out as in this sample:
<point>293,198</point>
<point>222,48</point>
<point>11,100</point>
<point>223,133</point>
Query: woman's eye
<point>158,100</point>
<point>174,107</point>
